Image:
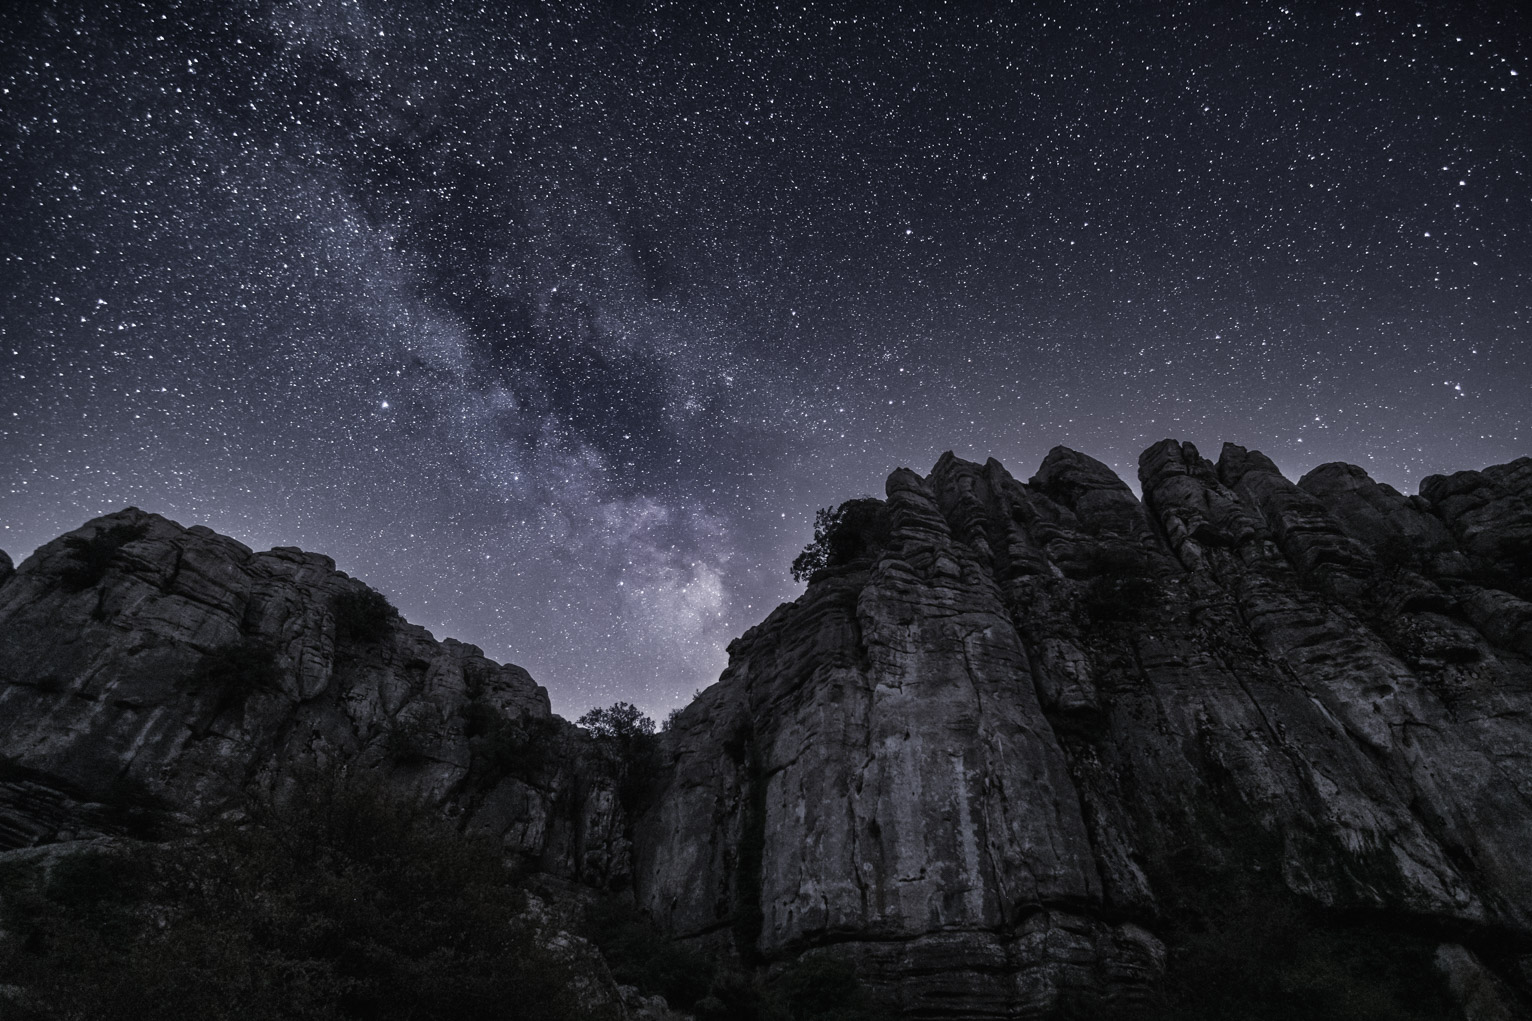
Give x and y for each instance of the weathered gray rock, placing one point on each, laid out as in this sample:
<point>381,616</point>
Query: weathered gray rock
<point>1489,512</point>
<point>982,762</point>
<point>1377,514</point>
<point>143,664</point>
<point>875,769</point>
<point>993,761</point>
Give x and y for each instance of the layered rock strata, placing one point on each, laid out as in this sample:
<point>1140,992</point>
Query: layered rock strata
<point>988,760</point>
<point>994,759</point>
<point>149,673</point>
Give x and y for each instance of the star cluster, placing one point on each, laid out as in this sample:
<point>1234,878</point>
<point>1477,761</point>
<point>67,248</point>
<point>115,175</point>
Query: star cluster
<point>555,322</point>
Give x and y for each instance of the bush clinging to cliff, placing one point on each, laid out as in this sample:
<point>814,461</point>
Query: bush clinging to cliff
<point>362,615</point>
<point>855,529</point>
<point>92,557</point>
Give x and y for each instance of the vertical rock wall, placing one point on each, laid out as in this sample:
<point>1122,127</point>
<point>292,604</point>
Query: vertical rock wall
<point>986,761</point>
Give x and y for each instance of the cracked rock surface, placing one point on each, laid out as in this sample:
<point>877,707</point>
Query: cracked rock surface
<point>150,670</point>
<point>990,758</point>
<point>981,760</point>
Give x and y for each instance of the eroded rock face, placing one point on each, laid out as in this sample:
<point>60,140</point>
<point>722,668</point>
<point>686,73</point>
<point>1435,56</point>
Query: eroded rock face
<point>1489,512</point>
<point>987,762</point>
<point>993,761</point>
<point>144,665</point>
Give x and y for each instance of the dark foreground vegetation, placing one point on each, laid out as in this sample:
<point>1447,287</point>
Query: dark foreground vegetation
<point>1240,945</point>
<point>333,903</point>
<point>338,902</point>
<point>712,990</point>
<point>842,535</point>
<point>1276,960</point>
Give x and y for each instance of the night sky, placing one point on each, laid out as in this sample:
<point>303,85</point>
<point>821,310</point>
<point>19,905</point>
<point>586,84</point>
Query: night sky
<point>557,324</point>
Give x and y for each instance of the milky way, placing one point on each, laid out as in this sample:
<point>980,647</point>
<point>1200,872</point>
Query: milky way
<point>557,324</point>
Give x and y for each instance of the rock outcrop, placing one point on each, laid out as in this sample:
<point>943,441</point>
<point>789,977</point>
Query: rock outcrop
<point>1000,757</point>
<point>149,673</point>
<point>992,760</point>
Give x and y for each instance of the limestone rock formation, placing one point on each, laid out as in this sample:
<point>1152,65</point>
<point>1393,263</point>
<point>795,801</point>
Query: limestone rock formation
<point>1009,748</point>
<point>149,672</point>
<point>992,760</point>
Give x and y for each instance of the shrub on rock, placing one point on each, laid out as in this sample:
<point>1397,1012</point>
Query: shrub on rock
<point>856,529</point>
<point>93,556</point>
<point>362,615</point>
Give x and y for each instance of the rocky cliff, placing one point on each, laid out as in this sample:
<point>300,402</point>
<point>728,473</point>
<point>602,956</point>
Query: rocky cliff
<point>1015,750</point>
<point>149,673</point>
<point>997,755</point>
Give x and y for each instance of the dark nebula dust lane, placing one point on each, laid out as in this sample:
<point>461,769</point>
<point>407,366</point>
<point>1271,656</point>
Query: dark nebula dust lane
<point>556,323</point>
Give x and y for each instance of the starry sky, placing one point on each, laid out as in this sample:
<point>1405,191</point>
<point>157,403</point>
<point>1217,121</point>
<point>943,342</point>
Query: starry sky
<point>556,322</point>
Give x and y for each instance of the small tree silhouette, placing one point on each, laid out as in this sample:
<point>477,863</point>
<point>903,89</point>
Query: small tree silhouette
<point>629,734</point>
<point>621,721</point>
<point>855,529</point>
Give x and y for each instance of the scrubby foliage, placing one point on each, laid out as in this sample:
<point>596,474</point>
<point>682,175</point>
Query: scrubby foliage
<point>856,529</point>
<point>816,989</point>
<point>628,737</point>
<point>409,739</point>
<point>362,615</point>
<point>639,954</point>
<point>1272,960</point>
<point>699,983</point>
<point>821,989</point>
<point>622,722</point>
<point>1241,945</point>
<point>501,747</point>
<point>338,902</point>
<point>92,557</point>
<point>332,903</point>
